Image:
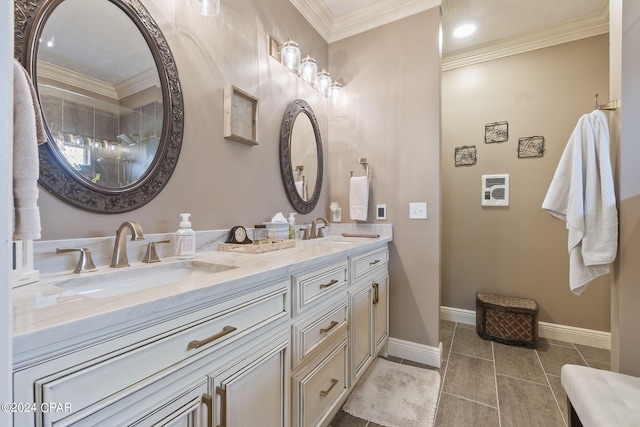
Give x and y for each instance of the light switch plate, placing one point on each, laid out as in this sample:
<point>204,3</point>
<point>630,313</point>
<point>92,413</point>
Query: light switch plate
<point>418,210</point>
<point>381,212</point>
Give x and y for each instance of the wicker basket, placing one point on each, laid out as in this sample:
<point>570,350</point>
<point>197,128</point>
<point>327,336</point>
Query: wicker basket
<point>507,320</point>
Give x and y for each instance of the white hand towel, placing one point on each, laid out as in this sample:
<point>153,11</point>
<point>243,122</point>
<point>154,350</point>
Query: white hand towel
<point>582,194</point>
<point>28,132</point>
<point>300,188</point>
<point>359,198</point>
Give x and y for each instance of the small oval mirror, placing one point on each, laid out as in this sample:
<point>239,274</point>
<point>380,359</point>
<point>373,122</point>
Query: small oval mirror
<point>301,162</point>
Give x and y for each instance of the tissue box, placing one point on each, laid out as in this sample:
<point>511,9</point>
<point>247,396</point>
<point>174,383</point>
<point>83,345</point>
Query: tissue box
<point>277,230</point>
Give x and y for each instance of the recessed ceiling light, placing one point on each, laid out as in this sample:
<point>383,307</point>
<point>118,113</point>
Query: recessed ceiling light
<point>464,30</point>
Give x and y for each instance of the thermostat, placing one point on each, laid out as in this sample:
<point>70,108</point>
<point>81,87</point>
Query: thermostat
<point>381,212</point>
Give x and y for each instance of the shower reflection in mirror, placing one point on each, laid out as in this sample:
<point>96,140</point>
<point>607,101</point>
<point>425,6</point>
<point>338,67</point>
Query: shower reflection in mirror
<point>109,145</point>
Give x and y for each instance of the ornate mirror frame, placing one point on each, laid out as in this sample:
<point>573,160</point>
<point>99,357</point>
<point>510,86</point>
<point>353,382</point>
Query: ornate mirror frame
<point>55,173</point>
<point>295,108</point>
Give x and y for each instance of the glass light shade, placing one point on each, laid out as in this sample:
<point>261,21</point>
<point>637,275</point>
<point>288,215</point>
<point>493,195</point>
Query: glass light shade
<point>309,71</point>
<point>324,82</point>
<point>336,88</point>
<point>290,56</point>
<point>206,7</point>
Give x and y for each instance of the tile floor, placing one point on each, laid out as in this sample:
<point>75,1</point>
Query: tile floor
<point>487,384</point>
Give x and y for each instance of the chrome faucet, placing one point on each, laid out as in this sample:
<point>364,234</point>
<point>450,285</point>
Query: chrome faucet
<point>119,257</point>
<point>314,231</point>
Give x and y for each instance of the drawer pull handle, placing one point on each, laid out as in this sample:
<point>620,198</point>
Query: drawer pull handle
<point>374,262</point>
<point>208,401</point>
<point>323,393</point>
<point>197,344</point>
<point>223,406</point>
<point>376,293</point>
<point>331,283</point>
<point>333,325</point>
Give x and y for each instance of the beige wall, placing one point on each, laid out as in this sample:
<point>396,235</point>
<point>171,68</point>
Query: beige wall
<point>518,250</point>
<point>221,182</point>
<point>390,114</point>
<point>625,295</point>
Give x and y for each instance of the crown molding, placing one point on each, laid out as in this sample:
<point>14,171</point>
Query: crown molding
<point>317,14</point>
<point>376,15</point>
<point>333,28</point>
<point>138,83</point>
<point>575,30</point>
<point>71,78</point>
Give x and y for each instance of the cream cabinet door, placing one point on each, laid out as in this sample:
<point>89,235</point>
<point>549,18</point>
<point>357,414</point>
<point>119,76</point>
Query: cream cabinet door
<point>254,390</point>
<point>361,333</point>
<point>381,310</point>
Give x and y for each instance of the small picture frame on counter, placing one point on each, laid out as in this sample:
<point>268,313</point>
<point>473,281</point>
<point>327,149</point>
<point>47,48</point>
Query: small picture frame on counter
<point>240,116</point>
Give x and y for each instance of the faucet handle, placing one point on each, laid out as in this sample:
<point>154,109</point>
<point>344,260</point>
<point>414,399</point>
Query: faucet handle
<point>151,255</point>
<point>306,233</point>
<point>85,263</point>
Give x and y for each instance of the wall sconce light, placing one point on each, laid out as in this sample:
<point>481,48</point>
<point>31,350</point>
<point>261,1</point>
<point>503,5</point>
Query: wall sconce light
<point>324,82</point>
<point>290,56</point>
<point>336,88</point>
<point>309,71</point>
<point>206,7</point>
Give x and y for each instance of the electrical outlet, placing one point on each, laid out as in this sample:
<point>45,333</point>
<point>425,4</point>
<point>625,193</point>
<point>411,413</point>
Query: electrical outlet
<point>418,210</point>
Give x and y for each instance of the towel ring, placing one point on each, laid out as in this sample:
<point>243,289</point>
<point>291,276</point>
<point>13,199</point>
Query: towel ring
<point>363,161</point>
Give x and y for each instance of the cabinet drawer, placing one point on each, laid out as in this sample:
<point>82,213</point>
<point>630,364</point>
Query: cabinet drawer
<point>96,382</point>
<point>317,328</point>
<point>315,285</point>
<point>363,264</point>
<point>319,389</point>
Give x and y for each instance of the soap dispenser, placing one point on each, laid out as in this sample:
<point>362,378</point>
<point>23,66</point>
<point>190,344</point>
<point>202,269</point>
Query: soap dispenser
<point>292,226</point>
<point>185,238</point>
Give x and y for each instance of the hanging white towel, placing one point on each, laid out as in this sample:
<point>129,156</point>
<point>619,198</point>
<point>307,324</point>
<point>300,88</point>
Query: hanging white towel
<point>28,132</point>
<point>358,198</point>
<point>301,189</point>
<point>582,194</point>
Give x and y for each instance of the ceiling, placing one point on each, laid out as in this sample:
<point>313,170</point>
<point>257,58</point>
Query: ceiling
<point>505,27</point>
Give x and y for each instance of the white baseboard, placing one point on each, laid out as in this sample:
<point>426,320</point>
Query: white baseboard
<point>545,330</point>
<point>415,352</point>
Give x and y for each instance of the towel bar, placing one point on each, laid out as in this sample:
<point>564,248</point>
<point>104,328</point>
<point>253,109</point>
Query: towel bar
<point>363,161</point>
<point>611,105</point>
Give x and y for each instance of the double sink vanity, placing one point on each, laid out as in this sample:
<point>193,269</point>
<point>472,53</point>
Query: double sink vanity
<point>274,339</point>
<point>224,339</point>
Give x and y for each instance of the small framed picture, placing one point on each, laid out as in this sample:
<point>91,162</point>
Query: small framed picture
<point>496,132</point>
<point>530,146</point>
<point>465,156</point>
<point>240,116</point>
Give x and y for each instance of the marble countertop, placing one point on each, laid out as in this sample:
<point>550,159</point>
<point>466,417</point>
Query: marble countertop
<point>45,314</point>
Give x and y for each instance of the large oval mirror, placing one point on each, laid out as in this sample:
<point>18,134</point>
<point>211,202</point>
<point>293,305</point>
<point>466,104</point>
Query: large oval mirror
<point>110,98</point>
<point>301,156</point>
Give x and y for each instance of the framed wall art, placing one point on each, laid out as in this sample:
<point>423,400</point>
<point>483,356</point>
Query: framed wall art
<point>240,116</point>
<point>530,146</point>
<point>465,156</point>
<point>496,132</point>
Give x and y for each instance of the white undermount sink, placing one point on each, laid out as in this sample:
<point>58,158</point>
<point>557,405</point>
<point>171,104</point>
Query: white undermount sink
<point>132,279</point>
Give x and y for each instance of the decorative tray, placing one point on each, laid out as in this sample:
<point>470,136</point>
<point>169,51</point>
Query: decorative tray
<point>267,245</point>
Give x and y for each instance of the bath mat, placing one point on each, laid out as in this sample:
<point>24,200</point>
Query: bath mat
<point>395,395</point>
